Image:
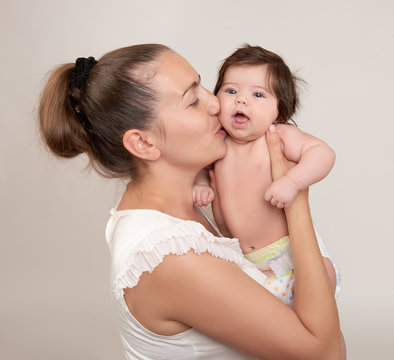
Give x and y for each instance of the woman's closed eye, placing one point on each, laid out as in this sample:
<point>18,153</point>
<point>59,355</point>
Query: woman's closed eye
<point>195,103</point>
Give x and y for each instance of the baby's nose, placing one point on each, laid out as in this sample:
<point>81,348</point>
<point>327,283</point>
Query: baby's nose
<point>241,100</point>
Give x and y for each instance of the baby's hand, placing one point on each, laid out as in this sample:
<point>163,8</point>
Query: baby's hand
<point>282,192</point>
<point>202,194</point>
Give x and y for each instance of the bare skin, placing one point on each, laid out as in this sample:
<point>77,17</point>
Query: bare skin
<point>255,222</point>
<point>243,177</point>
<point>214,296</point>
<point>248,109</point>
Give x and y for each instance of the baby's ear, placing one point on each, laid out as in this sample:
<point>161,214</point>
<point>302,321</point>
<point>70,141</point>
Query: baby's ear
<point>141,144</point>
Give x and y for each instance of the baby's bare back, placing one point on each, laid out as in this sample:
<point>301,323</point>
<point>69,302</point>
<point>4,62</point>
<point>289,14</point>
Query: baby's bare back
<point>242,178</point>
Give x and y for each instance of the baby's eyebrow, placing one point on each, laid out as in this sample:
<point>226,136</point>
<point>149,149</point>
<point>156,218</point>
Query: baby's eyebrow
<point>229,83</point>
<point>262,87</point>
<point>256,86</point>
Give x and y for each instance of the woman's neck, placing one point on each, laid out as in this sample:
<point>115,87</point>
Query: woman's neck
<point>169,192</point>
<point>171,195</point>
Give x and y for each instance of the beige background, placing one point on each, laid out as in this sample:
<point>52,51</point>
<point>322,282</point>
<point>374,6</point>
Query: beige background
<point>55,294</point>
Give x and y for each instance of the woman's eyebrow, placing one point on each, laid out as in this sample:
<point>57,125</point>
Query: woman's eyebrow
<point>193,85</point>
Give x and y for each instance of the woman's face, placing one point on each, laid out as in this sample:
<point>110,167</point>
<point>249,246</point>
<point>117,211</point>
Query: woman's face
<point>188,115</point>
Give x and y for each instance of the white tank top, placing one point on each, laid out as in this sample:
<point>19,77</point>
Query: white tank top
<point>138,241</point>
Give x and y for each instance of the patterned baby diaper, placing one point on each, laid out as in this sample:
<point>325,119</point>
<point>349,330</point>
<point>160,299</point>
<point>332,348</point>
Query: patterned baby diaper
<point>276,262</point>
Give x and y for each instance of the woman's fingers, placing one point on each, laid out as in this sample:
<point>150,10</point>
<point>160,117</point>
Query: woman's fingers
<point>279,164</point>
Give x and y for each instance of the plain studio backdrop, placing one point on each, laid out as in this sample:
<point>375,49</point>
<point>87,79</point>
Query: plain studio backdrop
<point>54,277</point>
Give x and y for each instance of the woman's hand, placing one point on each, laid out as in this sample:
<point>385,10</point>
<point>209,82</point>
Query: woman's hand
<point>279,164</point>
<point>282,191</point>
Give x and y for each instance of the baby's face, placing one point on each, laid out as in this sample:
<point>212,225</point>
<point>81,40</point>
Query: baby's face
<point>247,107</point>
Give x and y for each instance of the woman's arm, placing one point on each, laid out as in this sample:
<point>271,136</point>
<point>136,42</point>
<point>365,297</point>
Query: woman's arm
<point>217,298</point>
<point>278,170</point>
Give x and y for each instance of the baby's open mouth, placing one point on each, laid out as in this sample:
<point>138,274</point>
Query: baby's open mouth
<point>240,117</point>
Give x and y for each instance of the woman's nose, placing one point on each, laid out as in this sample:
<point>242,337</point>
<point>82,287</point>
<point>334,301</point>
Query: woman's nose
<point>213,104</point>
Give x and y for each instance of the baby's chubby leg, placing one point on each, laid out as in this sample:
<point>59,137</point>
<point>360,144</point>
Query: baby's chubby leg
<point>331,273</point>
<point>333,281</point>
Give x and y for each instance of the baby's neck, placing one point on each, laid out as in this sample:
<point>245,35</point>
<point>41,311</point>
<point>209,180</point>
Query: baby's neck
<point>244,141</point>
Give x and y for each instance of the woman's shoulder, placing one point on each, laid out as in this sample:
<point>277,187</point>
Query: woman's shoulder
<point>140,239</point>
<point>137,222</point>
<point>145,229</point>
<point>136,225</point>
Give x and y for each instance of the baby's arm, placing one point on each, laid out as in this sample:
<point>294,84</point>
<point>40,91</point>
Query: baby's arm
<point>314,160</point>
<point>202,192</point>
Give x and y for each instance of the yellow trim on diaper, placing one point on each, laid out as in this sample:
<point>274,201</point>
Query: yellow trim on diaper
<point>266,253</point>
<point>273,278</point>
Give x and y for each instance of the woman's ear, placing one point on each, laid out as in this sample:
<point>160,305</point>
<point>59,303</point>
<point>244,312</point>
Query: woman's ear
<point>141,144</point>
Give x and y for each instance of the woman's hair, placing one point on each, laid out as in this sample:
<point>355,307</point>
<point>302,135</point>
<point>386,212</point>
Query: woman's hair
<point>92,116</point>
<point>280,79</point>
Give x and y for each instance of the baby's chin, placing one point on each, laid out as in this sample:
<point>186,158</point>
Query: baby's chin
<point>242,136</point>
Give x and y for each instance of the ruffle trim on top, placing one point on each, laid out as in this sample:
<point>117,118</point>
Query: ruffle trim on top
<point>176,239</point>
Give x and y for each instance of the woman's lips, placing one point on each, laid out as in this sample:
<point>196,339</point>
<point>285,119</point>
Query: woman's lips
<point>221,130</point>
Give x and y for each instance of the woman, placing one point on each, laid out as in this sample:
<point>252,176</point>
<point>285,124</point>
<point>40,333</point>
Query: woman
<point>181,291</point>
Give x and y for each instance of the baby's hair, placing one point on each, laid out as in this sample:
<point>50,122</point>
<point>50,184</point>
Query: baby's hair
<point>93,118</point>
<point>281,81</point>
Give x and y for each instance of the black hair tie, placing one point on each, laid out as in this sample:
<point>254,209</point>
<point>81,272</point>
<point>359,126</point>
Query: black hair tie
<point>83,68</point>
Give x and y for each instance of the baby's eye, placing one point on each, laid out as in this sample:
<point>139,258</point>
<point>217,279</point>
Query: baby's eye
<point>230,91</point>
<point>258,95</point>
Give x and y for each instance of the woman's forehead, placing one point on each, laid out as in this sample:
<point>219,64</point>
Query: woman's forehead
<point>174,74</point>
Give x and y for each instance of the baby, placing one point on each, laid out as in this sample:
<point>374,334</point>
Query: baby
<point>256,89</point>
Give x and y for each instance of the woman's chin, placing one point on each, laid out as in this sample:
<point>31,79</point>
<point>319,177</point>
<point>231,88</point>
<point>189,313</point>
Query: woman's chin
<point>222,152</point>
